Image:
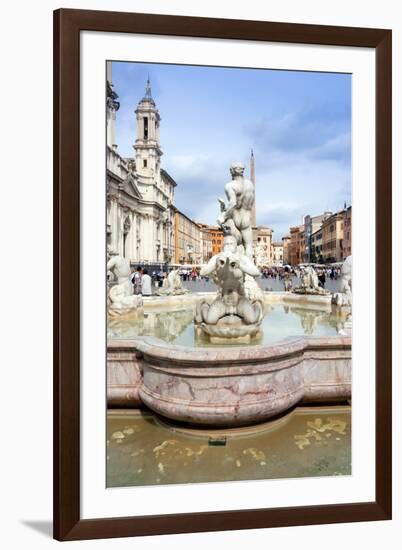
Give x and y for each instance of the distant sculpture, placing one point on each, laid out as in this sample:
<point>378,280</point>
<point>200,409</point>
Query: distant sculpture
<point>121,300</point>
<point>236,215</point>
<point>172,285</point>
<point>344,297</point>
<point>237,310</point>
<point>309,283</point>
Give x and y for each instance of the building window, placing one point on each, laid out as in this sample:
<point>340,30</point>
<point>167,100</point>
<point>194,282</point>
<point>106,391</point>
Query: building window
<point>145,163</point>
<point>145,127</point>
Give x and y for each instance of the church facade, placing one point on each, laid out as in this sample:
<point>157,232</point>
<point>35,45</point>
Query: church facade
<point>139,193</point>
<point>143,224</point>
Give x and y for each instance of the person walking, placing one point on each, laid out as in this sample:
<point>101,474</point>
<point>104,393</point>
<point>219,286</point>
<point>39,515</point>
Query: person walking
<point>132,272</point>
<point>322,278</point>
<point>146,283</point>
<point>287,280</point>
<point>161,277</point>
<point>136,280</point>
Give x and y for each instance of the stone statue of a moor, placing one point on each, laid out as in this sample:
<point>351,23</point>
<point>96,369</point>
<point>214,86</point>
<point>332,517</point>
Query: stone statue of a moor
<point>237,310</point>
<point>236,214</point>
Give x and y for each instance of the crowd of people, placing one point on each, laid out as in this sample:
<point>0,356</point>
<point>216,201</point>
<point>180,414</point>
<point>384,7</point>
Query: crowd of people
<point>287,273</point>
<point>330,272</point>
<point>187,274</point>
<point>143,282</point>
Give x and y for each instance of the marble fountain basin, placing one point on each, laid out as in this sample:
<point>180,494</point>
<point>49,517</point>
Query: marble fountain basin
<point>230,386</point>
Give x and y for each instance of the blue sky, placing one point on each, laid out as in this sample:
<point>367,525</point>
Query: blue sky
<point>297,123</point>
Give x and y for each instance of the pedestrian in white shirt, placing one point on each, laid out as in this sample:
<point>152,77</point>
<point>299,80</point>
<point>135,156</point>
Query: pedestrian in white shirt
<point>146,283</point>
<point>136,280</point>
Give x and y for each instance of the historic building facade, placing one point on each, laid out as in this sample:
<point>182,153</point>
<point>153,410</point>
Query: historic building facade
<point>139,193</point>
<point>277,254</point>
<point>332,238</point>
<point>262,245</point>
<point>188,240</point>
<point>296,245</point>
<point>316,247</point>
<point>326,238</point>
<point>311,225</point>
<point>217,238</point>
<point>286,249</point>
<point>143,224</point>
<point>206,237</point>
<point>347,232</point>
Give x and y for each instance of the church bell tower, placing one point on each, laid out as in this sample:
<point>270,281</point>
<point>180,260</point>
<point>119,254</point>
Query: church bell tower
<point>147,144</point>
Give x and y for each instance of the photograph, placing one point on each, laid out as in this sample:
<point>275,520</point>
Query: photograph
<point>228,273</point>
<point>209,352</point>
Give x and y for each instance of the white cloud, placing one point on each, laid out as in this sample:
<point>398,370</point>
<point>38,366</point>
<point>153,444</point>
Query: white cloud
<point>295,185</point>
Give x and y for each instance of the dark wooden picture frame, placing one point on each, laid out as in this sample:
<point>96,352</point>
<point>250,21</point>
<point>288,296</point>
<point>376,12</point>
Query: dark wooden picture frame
<point>67,27</point>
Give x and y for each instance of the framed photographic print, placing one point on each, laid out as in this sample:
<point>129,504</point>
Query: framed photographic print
<point>220,361</point>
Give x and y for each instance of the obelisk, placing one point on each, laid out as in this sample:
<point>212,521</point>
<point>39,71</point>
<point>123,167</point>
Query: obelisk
<point>252,177</point>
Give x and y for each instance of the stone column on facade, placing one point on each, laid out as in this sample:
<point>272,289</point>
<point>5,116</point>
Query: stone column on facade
<point>158,240</point>
<point>109,232</point>
<point>162,240</point>
<point>152,238</point>
<point>155,227</point>
<point>119,232</point>
<point>123,240</point>
<point>113,224</point>
<point>119,237</point>
<point>134,236</point>
<point>158,249</point>
<point>147,234</point>
<point>130,240</point>
<point>144,237</point>
<point>110,124</point>
<point>139,231</point>
<point>151,127</point>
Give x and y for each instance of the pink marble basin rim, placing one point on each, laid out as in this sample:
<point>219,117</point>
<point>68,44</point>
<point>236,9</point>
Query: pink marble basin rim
<point>228,386</point>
